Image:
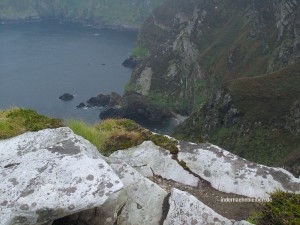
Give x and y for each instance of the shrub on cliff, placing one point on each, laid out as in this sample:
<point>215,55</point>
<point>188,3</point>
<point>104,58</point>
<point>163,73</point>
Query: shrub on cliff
<point>284,209</point>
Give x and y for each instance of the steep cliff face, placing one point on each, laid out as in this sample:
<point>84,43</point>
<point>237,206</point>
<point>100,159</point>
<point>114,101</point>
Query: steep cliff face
<point>256,118</point>
<point>235,64</point>
<point>197,46</point>
<point>126,13</point>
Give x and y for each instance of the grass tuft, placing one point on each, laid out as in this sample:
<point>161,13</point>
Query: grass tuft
<point>16,121</point>
<point>111,135</point>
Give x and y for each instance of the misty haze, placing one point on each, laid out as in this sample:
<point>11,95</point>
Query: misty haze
<point>149,112</point>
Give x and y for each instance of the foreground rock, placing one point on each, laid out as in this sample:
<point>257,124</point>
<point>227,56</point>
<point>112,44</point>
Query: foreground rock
<point>140,202</point>
<point>186,209</point>
<point>57,176</point>
<point>232,174</point>
<point>66,97</point>
<point>150,160</point>
<point>51,174</point>
<point>224,171</point>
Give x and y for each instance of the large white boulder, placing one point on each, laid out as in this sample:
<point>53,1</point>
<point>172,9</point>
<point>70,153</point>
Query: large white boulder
<point>232,174</point>
<point>145,198</point>
<point>186,209</point>
<point>149,159</point>
<point>140,202</point>
<point>50,174</point>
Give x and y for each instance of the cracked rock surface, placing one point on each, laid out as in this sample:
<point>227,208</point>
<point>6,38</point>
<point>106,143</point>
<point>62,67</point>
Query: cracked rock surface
<point>55,177</point>
<point>229,173</point>
<point>51,174</point>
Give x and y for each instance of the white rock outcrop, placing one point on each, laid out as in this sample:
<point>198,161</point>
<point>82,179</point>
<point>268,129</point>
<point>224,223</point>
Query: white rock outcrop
<point>54,173</point>
<point>150,160</point>
<point>186,209</point>
<point>229,173</point>
<point>144,204</point>
<point>50,174</point>
<point>139,202</point>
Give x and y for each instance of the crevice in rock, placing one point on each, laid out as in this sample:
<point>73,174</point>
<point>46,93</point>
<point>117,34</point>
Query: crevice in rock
<point>119,213</point>
<point>165,209</point>
<point>208,195</point>
<point>186,168</point>
<point>212,198</point>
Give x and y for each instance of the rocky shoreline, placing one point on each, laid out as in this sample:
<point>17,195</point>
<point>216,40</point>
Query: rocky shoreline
<point>130,106</point>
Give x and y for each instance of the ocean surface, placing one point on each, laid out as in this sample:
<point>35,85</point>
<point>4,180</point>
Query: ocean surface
<point>42,60</point>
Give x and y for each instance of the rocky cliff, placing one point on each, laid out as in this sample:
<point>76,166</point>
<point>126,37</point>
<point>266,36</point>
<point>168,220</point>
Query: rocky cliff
<point>116,13</point>
<point>235,64</point>
<point>56,177</point>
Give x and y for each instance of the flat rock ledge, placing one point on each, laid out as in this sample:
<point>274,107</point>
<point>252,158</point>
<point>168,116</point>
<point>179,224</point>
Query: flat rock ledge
<point>51,174</point>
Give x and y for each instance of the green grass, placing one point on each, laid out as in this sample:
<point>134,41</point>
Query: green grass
<point>116,134</point>
<point>88,132</point>
<point>283,209</point>
<point>266,98</point>
<point>16,121</point>
<point>260,144</point>
<point>108,136</point>
<point>140,52</point>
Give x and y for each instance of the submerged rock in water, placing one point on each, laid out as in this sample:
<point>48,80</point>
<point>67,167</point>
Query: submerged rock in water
<point>135,106</point>
<point>66,97</point>
<point>100,100</point>
<point>131,62</point>
<point>81,105</point>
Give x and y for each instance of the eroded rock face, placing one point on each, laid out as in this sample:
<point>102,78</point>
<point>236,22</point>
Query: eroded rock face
<point>51,174</point>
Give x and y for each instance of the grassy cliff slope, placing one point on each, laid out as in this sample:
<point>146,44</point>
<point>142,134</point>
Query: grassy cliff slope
<point>235,66</point>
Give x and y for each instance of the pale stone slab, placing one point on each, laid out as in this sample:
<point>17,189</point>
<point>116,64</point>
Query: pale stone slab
<point>186,209</point>
<point>150,159</point>
<point>50,174</point>
<point>145,199</point>
<point>232,174</point>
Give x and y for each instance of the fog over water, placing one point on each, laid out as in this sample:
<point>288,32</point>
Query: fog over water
<point>41,61</point>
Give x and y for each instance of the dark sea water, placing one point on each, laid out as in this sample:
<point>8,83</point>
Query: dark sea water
<point>40,61</point>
